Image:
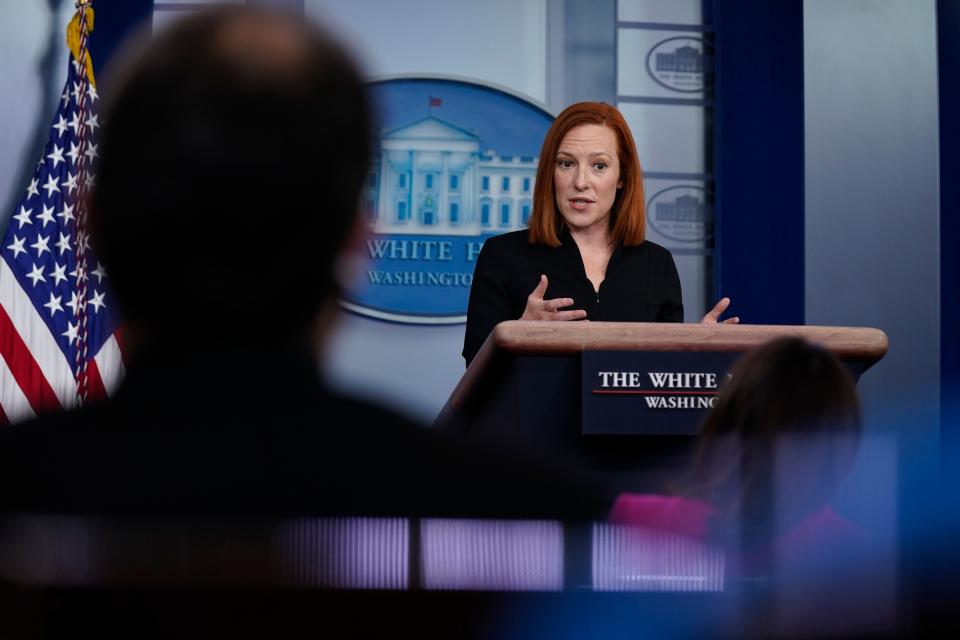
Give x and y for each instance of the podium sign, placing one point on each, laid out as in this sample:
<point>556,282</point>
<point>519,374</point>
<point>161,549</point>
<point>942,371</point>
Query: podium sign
<point>649,392</point>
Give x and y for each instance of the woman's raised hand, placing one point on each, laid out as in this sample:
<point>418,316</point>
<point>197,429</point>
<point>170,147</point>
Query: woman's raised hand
<point>540,309</point>
<point>713,316</point>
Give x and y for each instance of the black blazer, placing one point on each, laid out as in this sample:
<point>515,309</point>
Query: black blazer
<point>641,284</point>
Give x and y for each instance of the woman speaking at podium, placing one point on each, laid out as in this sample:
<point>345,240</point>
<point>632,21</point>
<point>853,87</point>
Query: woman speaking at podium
<point>584,256</point>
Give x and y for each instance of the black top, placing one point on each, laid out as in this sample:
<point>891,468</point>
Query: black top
<point>641,284</point>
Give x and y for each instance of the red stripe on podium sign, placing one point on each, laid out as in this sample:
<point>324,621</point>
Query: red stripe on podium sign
<point>635,392</point>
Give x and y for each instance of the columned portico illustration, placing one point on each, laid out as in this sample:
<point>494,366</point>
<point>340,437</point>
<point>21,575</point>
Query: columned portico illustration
<point>430,177</point>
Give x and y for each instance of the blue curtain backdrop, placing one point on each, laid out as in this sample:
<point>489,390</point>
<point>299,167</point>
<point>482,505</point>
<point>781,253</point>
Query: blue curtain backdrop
<point>948,43</point>
<point>114,20</point>
<point>758,124</point>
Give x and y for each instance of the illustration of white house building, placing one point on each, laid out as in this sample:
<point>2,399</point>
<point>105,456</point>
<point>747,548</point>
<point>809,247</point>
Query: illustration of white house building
<point>685,59</point>
<point>430,177</point>
<point>685,208</point>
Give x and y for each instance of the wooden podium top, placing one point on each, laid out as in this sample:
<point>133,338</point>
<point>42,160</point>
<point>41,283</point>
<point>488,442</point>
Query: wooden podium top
<point>545,338</point>
<point>557,338</point>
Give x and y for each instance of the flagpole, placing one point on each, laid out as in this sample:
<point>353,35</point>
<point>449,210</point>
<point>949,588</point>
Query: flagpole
<point>83,8</point>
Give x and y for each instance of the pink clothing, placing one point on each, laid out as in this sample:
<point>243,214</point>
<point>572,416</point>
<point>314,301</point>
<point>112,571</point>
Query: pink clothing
<point>823,527</point>
<point>670,514</point>
<point>821,533</point>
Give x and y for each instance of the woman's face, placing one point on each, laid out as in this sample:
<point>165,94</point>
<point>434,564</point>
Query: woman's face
<point>586,176</point>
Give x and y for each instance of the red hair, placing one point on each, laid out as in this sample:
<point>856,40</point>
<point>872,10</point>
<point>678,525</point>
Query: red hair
<point>627,219</point>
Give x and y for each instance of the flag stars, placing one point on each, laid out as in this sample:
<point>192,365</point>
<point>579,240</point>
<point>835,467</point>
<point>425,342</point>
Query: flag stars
<point>92,122</point>
<point>92,92</point>
<point>32,189</point>
<point>91,152</point>
<point>36,275</point>
<point>54,304</point>
<point>97,301</point>
<point>41,245</point>
<point>79,273</point>
<point>74,153</point>
<point>75,123</point>
<point>59,273</point>
<point>67,213</point>
<point>46,215</point>
<point>77,90</point>
<point>65,98</point>
<point>17,246</point>
<point>75,302</point>
<point>83,241</point>
<point>61,126</point>
<point>70,184</point>
<point>63,244</point>
<point>56,155</point>
<point>51,185</point>
<point>23,217</point>
<point>71,333</point>
<point>99,272</point>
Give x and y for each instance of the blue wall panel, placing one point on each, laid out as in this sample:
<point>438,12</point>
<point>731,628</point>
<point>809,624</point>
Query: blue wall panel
<point>948,45</point>
<point>114,20</point>
<point>759,164</point>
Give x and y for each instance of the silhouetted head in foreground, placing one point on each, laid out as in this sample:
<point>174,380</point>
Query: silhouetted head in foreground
<point>234,146</point>
<point>781,437</point>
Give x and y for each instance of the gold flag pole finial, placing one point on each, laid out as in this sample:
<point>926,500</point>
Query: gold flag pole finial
<point>80,26</point>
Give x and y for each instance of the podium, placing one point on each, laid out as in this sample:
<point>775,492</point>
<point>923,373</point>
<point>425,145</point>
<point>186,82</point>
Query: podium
<point>596,393</point>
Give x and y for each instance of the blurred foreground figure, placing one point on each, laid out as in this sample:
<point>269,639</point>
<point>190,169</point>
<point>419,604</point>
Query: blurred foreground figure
<point>780,440</point>
<point>233,151</point>
<point>782,436</point>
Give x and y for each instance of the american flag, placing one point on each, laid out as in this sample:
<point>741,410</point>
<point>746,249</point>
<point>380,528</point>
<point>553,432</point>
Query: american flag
<point>59,333</point>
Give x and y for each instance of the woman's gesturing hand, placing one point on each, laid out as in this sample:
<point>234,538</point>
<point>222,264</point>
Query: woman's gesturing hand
<point>713,316</point>
<point>540,309</point>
